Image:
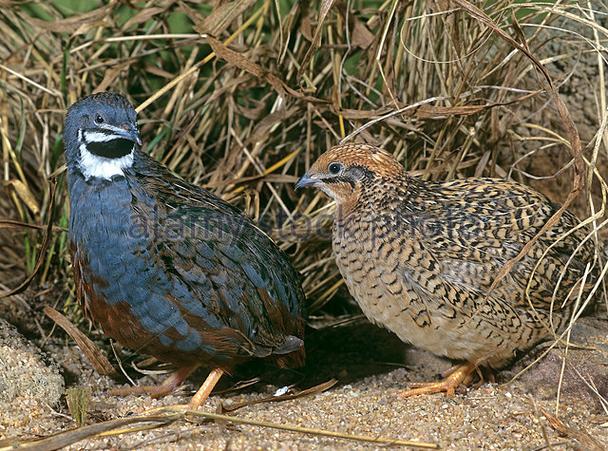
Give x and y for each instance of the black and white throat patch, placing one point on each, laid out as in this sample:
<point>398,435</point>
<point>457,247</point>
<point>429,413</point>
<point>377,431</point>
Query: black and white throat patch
<point>104,154</point>
<point>105,143</point>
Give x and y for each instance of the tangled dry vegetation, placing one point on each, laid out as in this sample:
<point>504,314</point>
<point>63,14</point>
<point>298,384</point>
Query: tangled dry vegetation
<point>240,97</point>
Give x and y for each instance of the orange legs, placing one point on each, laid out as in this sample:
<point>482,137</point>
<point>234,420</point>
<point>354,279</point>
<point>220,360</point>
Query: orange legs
<point>203,393</point>
<point>459,375</point>
<point>157,391</point>
<point>171,383</point>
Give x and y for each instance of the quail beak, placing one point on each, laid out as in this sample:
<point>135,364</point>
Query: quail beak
<point>137,138</point>
<point>132,134</point>
<point>306,181</point>
<point>125,132</point>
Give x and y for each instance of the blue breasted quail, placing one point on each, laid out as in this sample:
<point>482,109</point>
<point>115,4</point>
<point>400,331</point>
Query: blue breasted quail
<point>165,267</point>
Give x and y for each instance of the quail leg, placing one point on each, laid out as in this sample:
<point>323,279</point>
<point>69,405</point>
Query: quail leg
<point>157,391</point>
<point>461,374</point>
<point>203,393</point>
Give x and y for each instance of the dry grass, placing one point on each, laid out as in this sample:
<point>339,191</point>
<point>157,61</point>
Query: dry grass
<point>246,113</point>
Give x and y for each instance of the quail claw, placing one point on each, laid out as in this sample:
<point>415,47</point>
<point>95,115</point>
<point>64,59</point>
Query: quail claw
<point>461,375</point>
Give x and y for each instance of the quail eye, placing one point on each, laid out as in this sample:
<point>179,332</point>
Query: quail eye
<point>334,168</point>
<point>98,119</point>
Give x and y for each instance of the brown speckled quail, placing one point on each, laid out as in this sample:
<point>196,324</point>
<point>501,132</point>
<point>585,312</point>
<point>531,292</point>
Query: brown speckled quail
<point>420,258</point>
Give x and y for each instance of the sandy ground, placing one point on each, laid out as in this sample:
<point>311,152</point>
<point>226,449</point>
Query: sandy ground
<point>372,366</point>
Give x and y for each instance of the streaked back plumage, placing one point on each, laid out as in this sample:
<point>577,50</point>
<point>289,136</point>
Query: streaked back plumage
<point>420,257</point>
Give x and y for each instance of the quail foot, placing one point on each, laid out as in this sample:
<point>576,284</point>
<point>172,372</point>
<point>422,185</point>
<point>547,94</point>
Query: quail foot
<point>165,267</point>
<point>420,258</point>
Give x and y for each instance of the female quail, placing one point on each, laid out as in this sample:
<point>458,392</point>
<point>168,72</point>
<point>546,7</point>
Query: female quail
<point>420,258</point>
<point>165,267</point>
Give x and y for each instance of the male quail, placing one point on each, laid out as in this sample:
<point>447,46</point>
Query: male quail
<point>165,267</point>
<point>420,258</point>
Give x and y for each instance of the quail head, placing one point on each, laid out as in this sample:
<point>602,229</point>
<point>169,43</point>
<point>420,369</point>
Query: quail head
<point>165,267</point>
<point>420,258</point>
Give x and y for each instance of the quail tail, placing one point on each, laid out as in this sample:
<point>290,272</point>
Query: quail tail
<point>291,353</point>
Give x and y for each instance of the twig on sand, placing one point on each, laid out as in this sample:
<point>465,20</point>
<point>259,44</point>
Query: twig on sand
<point>163,416</point>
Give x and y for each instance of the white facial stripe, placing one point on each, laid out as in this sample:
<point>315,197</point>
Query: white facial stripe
<point>95,166</point>
<point>99,137</point>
